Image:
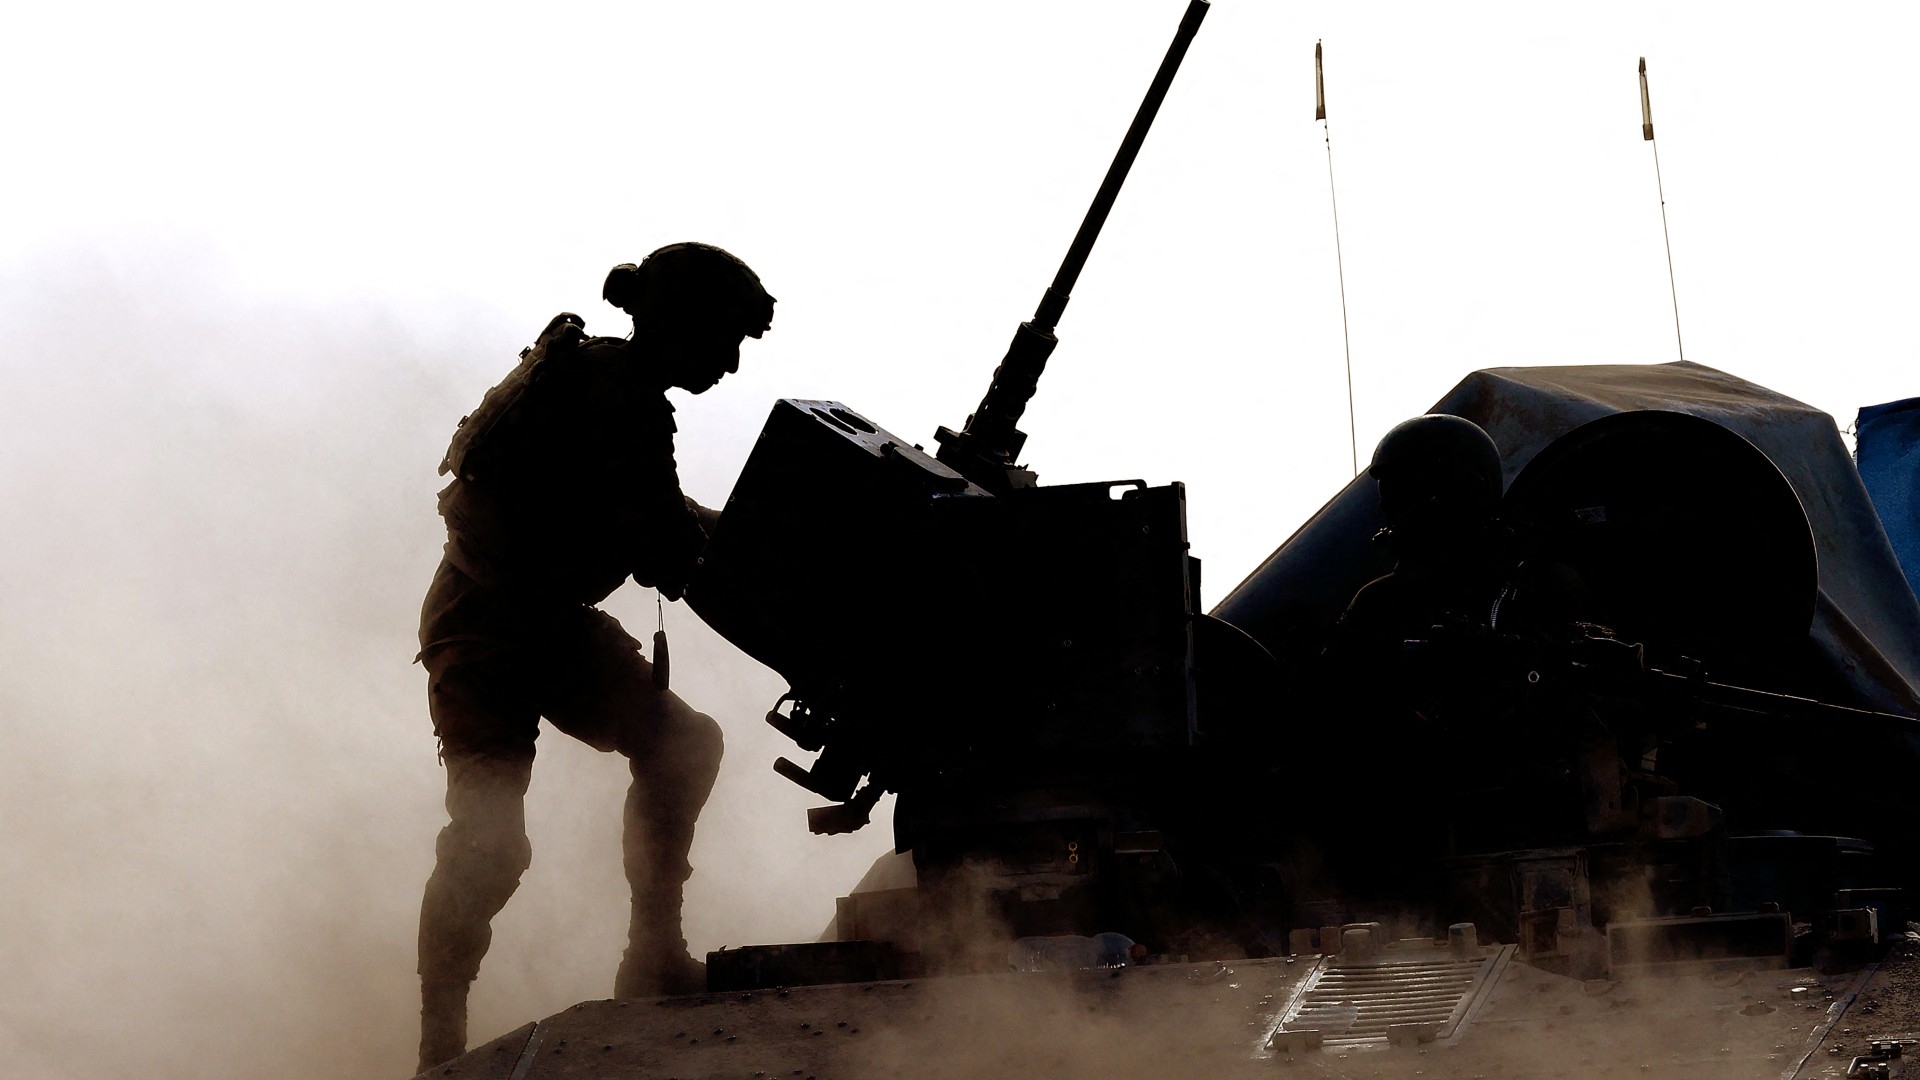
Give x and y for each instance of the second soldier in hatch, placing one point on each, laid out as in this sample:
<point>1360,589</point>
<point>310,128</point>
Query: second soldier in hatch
<point>1440,661</point>
<point>564,485</point>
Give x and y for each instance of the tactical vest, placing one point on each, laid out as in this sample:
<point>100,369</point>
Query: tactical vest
<point>614,506</point>
<point>563,333</point>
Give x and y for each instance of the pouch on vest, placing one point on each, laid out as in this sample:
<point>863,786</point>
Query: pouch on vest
<point>564,331</point>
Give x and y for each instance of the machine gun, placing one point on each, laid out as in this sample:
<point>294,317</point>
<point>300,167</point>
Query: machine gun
<point>1013,660</point>
<point>985,449</point>
<point>874,576</point>
<point>1627,782</point>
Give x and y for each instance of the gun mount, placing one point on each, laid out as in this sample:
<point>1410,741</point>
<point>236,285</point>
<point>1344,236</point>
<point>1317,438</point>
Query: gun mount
<point>1013,665</point>
<point>1017,662</point>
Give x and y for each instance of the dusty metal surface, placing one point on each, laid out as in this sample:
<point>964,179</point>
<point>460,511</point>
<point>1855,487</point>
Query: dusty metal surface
<point>1135,1021</point>
<point>1410,992</point>
<point>1874,1032</point>
<point>1533,1024</point>
<point>1213,1020</point>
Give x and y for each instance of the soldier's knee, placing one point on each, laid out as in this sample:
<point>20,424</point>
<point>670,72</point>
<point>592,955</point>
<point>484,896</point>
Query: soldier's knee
<point>694,752</point>
<point>704,743</point>
<point>484,862</point>
<point>466,841</point>
<point>683,741</point>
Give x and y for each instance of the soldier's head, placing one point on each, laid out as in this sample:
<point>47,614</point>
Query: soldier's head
<point>1439,480</point>
<point>692,305</point>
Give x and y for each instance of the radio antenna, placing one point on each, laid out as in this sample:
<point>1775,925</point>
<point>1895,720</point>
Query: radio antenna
<point>1646,135</point>
<point>1339,261</point>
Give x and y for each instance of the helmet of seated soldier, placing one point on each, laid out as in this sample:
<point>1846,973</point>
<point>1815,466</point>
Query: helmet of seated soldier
<point>1439,479</point>
<point>691,287</point>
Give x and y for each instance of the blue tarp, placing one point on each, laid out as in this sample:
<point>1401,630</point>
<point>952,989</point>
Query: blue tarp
<point>1888,453</point>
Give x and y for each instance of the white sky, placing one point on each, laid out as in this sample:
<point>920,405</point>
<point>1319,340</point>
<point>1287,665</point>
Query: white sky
<point>907,177</point>
<point>295,244</point>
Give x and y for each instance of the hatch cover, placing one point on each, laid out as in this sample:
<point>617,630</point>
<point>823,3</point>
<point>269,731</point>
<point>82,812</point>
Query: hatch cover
<point>1413,990</point>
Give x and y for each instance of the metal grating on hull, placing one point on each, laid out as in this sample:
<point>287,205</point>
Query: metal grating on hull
<point>1423,992</point>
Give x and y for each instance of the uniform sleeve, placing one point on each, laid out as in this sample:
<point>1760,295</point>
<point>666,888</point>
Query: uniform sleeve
<point>670,538</point>
<point>663,532</point>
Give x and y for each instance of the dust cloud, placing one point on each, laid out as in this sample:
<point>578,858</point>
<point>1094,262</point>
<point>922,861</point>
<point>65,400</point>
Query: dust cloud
<point>219,792</point>
<point>1091,1025</point>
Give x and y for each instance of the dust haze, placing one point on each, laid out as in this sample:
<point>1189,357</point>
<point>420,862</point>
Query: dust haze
<point>220,795</point>
<point>220,791</point>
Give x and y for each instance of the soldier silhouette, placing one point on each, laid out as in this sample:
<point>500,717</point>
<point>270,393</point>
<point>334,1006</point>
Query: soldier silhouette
<point>564,485</point>
<point>1428,659</point>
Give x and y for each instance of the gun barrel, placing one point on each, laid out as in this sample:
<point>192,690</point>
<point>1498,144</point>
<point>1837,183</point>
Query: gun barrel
<point>1054,302</point>
<point>985,450</point>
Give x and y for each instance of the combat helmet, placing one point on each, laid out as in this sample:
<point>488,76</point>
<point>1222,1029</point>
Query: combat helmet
<point>1436,471</point>
<point>691,284</point>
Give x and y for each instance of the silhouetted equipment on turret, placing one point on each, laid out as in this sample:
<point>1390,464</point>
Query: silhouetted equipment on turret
<point>878,531</point>
<point>1756,677</point>
<point>1073,740</point>
<point>1012,659</point>
<point>1724,727</point>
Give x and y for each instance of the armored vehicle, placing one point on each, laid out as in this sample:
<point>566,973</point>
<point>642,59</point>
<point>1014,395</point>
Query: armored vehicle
<point>1668,832</point>
<point>1674,840</point>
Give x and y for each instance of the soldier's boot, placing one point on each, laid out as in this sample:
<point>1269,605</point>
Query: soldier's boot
<point>656,961</point>
<point>670,785</point>
<point>443,1022</point>
<point>480,856</point>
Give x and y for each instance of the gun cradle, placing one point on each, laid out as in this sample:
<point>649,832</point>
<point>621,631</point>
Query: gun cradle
<point>995,659</point>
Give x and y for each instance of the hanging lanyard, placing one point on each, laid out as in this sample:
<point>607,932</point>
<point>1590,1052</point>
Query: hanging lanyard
<point>662,662</point>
